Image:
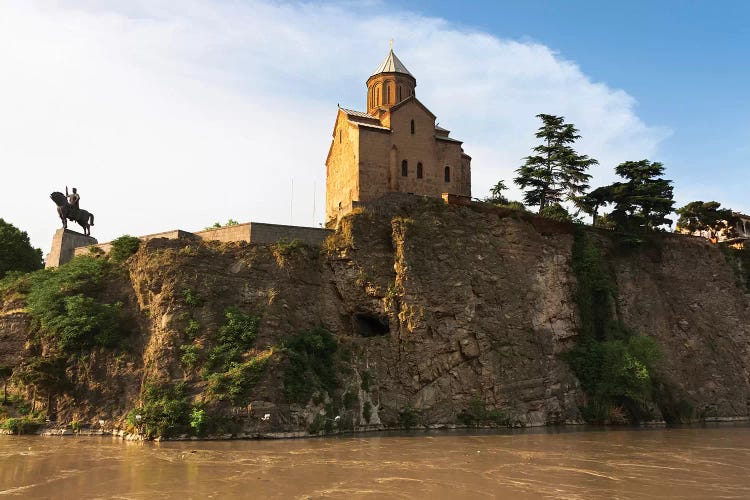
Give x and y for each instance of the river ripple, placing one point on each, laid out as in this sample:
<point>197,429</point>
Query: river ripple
<point>684,463</point>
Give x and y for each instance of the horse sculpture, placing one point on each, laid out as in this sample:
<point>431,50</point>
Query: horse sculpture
<point>66,212</point>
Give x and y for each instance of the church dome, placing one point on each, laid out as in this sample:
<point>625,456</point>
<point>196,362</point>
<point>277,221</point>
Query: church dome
<point>392,64</point>
<point>389,85</point>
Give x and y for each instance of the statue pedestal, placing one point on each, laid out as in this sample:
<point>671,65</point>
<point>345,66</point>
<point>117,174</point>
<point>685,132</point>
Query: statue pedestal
<point>64,243</point>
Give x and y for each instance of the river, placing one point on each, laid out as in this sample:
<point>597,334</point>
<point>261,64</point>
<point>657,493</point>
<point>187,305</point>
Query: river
<point>657,463</point>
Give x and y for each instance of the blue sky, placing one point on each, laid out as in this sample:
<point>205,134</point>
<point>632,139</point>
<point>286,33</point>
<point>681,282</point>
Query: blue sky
<point>686,62</point>
<point>176,114</point>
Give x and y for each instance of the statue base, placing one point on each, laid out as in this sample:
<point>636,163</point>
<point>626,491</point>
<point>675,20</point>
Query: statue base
<point>64,244</point>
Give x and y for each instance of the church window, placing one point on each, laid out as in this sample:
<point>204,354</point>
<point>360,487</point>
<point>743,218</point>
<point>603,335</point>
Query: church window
<point>399,93</point>
<point>447,174</point>
<point>419,170</point>
<point>404,168</point>
<point>386,94</point>
<point>379,96</point>
<point>412,126</point>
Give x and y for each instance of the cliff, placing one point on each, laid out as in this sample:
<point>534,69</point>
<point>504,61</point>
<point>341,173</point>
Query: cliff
<point>438,315</point>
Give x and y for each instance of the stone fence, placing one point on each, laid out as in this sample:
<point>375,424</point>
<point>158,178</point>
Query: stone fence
<point>67,243</point>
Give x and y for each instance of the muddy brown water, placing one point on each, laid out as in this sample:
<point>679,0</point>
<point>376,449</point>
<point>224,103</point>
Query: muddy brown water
<point>684,463</point>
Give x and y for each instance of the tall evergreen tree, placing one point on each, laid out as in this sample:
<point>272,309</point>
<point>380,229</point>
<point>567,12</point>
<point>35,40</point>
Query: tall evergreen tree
<point>555,172</point>
<point>643,201</point>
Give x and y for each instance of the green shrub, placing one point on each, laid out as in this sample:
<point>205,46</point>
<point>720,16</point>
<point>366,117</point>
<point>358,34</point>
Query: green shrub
<point>238,380</point>
<point>312,365</point>
<point>64,306</point>
<point>165,411</point>
<point>477,414</point>
<point>190,355</point>
<point>367,411</point>
<point>236,336</point>
<point>351,400</point>
<point>191,298</point>
<point>198,420</point>
<point>317,424</point>
<point>123,247</point>
<point>556,212</point>
<point>23,425</point>
<point>613,364</point>
<point>408,417</point>
<point>366,377</point>
<point>283,249</point>
<point>192,329</point>
<point>739,259</point>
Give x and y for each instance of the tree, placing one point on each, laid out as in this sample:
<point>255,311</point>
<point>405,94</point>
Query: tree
<point>706,216</point>
<point>555,172</point>
<point>643,202</point>
<point>16,252</point>
<point>496,194</point>
<point>590,203</point>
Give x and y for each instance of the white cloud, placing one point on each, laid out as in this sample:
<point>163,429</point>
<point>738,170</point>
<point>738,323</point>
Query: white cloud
<point>179,114</point>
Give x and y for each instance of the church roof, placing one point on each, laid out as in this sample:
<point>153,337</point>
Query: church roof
<point>363,119</point>
<point>392,64</point>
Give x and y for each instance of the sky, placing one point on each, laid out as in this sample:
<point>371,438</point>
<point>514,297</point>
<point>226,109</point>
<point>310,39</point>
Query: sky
<point>179,114</point>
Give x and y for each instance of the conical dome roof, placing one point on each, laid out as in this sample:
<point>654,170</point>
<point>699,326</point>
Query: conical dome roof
<point>392,64</point>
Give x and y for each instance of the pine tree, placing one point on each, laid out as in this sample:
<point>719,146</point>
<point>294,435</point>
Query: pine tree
<point>707,216</point>
<point>645,200</point>
<point>555,172</point>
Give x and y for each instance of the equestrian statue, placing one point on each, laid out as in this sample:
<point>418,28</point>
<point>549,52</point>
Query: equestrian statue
<point>67,209</point>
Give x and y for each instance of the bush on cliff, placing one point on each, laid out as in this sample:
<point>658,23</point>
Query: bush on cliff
<point>165,411</point>
<point>312,366</point>
<point>235,337</point>
<point>614,365</point>
<point>65,306</point>
<point>123,247</point>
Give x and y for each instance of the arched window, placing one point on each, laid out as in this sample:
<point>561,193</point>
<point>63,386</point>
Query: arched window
<point>412,126</point>
<point>447,174</point>
<point>386,93</point>
<point>404,168</point>
<point>399,93</point>
<point>378,94</point>
<point>419,170</point>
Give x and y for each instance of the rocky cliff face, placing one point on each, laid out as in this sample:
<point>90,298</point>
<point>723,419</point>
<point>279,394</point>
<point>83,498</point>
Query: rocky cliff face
<point>434,309</point>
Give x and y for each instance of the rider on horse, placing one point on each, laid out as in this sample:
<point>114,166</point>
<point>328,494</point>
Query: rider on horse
<point>73,199</point>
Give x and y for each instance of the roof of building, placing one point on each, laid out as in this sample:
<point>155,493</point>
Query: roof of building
<point>360,114</point>
<point>446,138</point>
<point>392,64</point>
<point>363,119</point>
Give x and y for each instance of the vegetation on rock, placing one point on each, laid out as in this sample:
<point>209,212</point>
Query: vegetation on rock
<point>614,365</point>
<point>123,247</point>
<point>312,366</point>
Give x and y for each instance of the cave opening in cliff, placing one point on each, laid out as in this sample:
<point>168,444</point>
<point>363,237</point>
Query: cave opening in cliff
<point>369,325</point>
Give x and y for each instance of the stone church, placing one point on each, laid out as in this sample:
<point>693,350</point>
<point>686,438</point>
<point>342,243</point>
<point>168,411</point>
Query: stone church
<point>393,147</point>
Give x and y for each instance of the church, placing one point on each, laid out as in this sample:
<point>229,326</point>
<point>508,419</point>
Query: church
<point>395,146</point>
